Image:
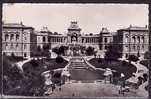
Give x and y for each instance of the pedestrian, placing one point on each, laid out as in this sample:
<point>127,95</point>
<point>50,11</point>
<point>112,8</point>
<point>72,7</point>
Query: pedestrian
<point>69,78</point>
<point>53,87</point>
<point>60,87</point>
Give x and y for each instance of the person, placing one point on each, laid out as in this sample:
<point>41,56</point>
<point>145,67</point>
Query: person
<point>59,86</point>
<point>53,87</point>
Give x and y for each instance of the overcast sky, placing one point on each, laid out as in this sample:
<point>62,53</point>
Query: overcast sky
<point>90,17</point>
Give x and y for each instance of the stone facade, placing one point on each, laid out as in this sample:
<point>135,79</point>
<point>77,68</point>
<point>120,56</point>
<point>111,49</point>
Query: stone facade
<point>18,39</point>
<point>22,40</point>
<point>133,41</point>
<point>74,39</point>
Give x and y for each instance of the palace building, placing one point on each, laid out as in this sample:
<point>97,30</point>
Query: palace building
<point>75,40</point>
<point>18,40</point>
<point>133,41</point>
<point>22,40</point>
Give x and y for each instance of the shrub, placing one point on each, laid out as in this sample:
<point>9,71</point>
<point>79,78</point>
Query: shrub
<point>34,62</point>
<point>146,55</point>
<point>90,51</point>
<point>133,58</point>
<point>59,59</point>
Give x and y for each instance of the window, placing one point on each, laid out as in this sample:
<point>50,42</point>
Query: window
<point>126,48</point>
<point>6,37</point>
<point>49,39</point>
<point>11,46</point>
<point>126,38</point>
<point>138,47</point>
<point>142,47</point>
<point>134,39</point>
<point>25,55</point>
<point>134,48</point>
<point>143,40</point>
<point>16,45</point>
<point>105,47</point>
<point>138,39</point>
<point>25,38</point>
<point>12,37</point>
<point>6,45</point>
<point>25,46</point>
<point>17,37</point>
<point>105,40</point>
<point>44,39</point>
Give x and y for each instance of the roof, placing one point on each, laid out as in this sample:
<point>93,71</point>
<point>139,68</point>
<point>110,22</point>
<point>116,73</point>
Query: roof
<point>136,28</point>
<point>15,25</point>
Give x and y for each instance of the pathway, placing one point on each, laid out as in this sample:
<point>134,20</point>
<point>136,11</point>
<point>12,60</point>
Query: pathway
<point>21,63</point>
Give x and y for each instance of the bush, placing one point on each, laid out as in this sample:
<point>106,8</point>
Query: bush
<point>90,51</point>
<point>34,62</point>
<point>119,66</point>
<point>146,55</point>
<point>59,59</point>
<point>133,58</point>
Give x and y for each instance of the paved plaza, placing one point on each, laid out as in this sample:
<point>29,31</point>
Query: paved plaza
<point>98,89</point>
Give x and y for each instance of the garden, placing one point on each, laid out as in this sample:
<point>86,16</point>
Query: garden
<point>30,82</point>
<point>120,66</point>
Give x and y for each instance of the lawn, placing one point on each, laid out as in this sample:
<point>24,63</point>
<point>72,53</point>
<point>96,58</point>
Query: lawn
<point>119,66</point>
<point>41,65</point>
<point>30,82</point>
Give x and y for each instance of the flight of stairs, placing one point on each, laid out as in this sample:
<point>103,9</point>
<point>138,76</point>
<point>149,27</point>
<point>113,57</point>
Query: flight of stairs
<point>78,63</point>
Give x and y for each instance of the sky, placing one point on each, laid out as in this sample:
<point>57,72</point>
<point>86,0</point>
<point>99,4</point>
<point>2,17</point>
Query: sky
<point>91,18</point>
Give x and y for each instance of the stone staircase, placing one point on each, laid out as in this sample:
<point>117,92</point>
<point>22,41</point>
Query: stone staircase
<point>78,63</point>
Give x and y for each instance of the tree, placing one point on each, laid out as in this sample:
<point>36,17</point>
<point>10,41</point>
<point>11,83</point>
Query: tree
<point>46,47</point>
<point>112,53</point>
<point>45,51</point>
<point>146,55</point>
<point>90,51</point>
<point>83,49</point>
<point>56,50</point>
<point>62,50</point>
<point>59,59</point>
<point>133,58</point>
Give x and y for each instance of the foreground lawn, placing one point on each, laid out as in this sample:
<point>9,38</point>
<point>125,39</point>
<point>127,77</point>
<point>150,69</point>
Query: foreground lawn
<point>119,66</point>
<point>41,65</point>
<point>30,82</point>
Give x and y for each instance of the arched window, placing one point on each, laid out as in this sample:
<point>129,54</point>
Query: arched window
<point>143,39</point>
<point>138,39</point>
<point>138,47</point>
<point>12,37</point>
<point>134,39</point>
<point>17,36</point>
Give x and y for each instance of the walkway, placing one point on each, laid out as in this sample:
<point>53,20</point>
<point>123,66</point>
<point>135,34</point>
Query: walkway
<point>21,63</point>
<point>98,89</point>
